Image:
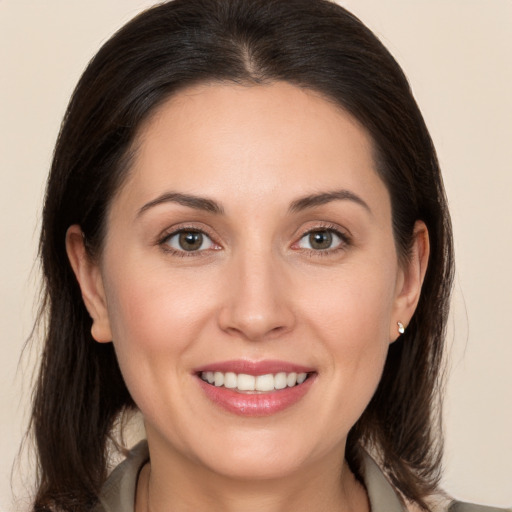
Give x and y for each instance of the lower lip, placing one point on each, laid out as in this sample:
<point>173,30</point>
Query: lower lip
<point>256,404</point>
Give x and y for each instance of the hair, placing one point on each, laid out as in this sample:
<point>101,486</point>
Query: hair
<point>312,44</point>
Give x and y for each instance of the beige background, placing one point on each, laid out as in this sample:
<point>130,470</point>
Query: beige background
<point>457,54</point>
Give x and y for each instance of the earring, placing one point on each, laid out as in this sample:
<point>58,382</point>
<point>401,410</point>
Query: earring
<point>401,328</point>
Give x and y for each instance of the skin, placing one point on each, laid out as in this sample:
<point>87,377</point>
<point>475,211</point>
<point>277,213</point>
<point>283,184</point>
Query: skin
<point>256,291</point>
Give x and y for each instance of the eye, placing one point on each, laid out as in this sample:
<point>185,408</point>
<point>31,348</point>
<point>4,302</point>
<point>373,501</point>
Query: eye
<point>189,241</point>
<point>321,240</point>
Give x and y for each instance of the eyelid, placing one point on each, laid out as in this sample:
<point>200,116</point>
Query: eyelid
<point>341,233</point>
<point>167,234</point>
<point>205,240</point>
<point>336,238</point>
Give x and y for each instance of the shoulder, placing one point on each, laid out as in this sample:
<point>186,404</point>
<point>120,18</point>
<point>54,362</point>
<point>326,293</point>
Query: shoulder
<point>443,503</point>
<point>459,506</point>
<point>384,497</point>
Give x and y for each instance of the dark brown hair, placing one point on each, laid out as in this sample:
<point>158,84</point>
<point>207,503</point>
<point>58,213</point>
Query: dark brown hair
<point>313,44</point>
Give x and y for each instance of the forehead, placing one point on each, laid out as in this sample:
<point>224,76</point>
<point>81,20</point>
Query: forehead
<point>235,142</point>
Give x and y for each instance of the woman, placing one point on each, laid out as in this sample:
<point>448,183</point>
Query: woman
<point>245,237</point>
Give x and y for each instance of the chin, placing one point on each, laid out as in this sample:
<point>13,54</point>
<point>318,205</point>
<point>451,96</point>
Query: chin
<point>262,455</point>
<point>257,468</point>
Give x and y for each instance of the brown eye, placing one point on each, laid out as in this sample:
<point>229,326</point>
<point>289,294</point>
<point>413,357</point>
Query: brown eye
<point>189,241</point>
<point>321,240</point>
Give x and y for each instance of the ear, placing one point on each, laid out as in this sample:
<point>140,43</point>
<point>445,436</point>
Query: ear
<point>410,279</point>
<point>89,278</point>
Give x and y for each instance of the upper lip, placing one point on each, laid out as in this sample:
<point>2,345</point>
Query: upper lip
<point>254,367</point>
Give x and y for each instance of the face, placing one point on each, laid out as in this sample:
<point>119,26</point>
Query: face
<point>249,279</point>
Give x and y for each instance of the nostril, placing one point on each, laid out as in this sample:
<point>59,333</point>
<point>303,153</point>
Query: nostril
<point>240,322</point>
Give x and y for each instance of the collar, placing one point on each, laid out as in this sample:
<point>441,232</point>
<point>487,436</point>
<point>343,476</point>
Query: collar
<point>118,493</point>
<point>381,494</point>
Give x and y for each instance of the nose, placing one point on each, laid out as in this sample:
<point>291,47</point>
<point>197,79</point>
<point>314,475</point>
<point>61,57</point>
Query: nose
<point>258,298</point>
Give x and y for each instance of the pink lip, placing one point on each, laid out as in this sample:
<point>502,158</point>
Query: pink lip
<point>254,367</point>
<point>255,404</point>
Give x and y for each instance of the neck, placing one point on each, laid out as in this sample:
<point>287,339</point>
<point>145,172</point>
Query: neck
<point>326,486</point>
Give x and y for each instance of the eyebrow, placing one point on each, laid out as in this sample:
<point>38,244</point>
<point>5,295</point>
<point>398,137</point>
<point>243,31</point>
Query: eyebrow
<point>211,206</point>
<point>322,198</point>
<point>191,201</point>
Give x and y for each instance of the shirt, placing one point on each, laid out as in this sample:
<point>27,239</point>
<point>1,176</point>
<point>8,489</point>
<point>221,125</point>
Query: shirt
<point>118,493</point>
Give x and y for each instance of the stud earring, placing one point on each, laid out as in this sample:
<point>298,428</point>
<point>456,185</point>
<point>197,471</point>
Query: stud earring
<point>401,328</point>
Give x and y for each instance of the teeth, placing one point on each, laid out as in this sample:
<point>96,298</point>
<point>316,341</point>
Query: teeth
<point>230,380</point>
<point>218,378</point>
<point>280,380</point>
<point>291,379</point>
<point>301,377</point>
<point>244,382</point>
<point>265,382</point>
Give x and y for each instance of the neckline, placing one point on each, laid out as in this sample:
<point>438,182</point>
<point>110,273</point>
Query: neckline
<point>118,492</point>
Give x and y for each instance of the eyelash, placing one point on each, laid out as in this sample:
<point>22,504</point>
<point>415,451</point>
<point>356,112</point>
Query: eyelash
<point>163,242</point>
<point>344,237</point>
<point>345,240</point>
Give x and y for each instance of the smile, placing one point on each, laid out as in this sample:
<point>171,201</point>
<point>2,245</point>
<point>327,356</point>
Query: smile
<point>251,389</point>
<point>249,383</point>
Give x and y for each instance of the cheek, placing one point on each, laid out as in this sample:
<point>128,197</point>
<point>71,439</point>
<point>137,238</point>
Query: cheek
<point>353,306</point>
<point>155,320</point>
<point>351,317</point>
<point>154,308</point>
<point>356,338</point>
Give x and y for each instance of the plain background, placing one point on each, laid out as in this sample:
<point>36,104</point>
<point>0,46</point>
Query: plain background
<point>457,55</point>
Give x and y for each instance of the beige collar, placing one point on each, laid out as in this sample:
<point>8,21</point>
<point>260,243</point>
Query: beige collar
<point>118,493</point>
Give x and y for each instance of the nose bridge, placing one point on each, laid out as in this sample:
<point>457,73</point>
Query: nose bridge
<point>257,304</point>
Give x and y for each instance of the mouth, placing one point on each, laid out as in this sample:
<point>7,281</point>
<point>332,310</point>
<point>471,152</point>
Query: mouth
<point>244,383</point>
<point>255,389</point>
